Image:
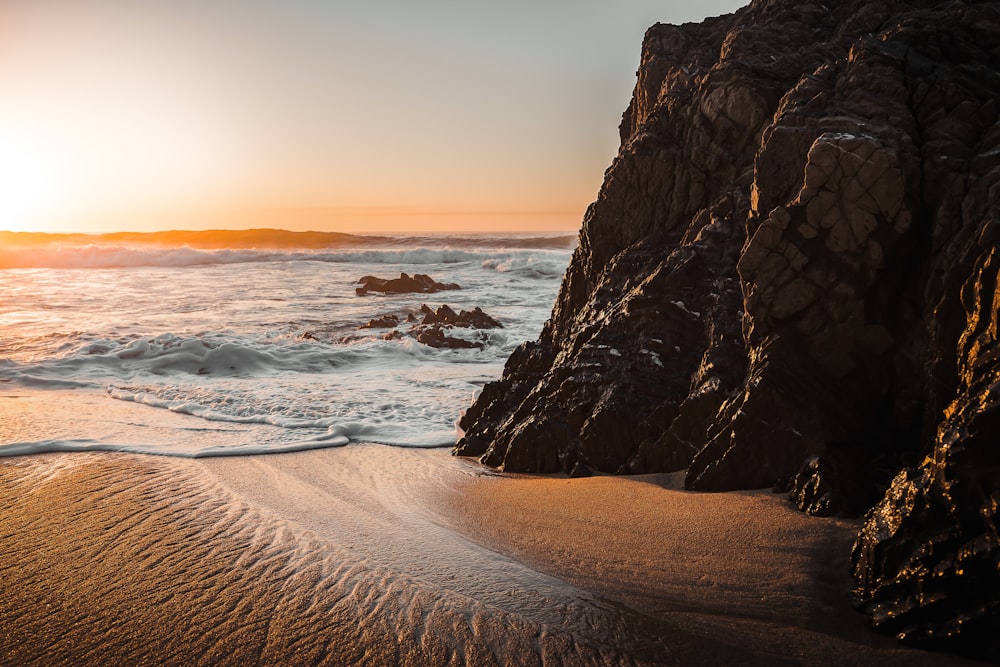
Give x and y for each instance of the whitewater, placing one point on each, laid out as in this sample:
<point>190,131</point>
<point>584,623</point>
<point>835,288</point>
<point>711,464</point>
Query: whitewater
<point>195,352</point>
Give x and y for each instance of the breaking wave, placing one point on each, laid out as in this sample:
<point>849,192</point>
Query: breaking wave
<point>135,345</point>
<point>99,254</point>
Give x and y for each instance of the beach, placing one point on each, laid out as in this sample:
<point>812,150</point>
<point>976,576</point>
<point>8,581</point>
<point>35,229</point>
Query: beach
<point>375,555</point>
<point>379,334</point>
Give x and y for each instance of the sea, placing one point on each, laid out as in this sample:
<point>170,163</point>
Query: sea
<point>194,352</point>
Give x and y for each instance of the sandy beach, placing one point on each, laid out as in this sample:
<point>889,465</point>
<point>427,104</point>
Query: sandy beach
<point>374,555</point>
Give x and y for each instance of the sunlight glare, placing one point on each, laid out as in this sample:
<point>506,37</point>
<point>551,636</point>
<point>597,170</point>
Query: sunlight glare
<point>29,184</point>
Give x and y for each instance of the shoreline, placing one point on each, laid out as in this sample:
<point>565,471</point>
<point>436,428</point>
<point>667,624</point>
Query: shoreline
<point>742,570</point>
<point>376,555</point>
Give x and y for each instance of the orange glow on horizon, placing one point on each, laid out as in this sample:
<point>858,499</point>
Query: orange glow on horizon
<point>348,220</point>
<point>352,117</point>
<point>179,117</point>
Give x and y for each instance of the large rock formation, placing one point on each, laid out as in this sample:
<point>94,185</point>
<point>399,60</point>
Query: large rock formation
<point>790,276</point>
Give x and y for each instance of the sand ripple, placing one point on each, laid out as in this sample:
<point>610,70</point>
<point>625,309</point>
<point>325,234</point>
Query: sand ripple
<point>125,559</point>
<point>373,555</point>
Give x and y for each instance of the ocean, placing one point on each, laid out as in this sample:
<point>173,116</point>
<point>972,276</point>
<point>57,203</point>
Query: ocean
<point>195,352</point>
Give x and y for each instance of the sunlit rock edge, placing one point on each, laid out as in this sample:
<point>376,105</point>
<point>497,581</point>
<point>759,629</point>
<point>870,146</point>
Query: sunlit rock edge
<point>789,279</point>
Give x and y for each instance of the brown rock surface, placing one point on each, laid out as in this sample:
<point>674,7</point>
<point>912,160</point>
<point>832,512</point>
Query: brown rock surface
<point>404,284</point>
<point>789,275</point>
<point>387,321</point>
<point>435,327</point>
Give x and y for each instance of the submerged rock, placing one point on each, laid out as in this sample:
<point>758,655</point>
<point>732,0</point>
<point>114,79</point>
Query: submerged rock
<point>445,315</point>
<point>435,326</point>
<point>404,284</point>
<point>789,279</point>
<point>382,322</point>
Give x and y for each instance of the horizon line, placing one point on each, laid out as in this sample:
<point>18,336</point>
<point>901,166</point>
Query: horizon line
<point>307,232</point>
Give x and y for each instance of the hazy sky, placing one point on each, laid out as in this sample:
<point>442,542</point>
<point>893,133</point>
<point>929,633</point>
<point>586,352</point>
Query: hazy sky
<point>310,114</point>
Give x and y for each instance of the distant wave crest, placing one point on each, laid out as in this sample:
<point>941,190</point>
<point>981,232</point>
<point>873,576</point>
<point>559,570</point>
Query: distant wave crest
<point>100,257</point>
<point>116,251</point>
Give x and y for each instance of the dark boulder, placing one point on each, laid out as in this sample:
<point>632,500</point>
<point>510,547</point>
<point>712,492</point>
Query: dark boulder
<point>445,315</point>
<point>382,322</point>
<point>436,337</point>
<point>833,486</point>
<point>404,284</point>
<point>433,329</point>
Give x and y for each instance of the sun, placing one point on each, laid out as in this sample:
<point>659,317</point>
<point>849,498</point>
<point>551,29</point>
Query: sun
<point>29,182</point>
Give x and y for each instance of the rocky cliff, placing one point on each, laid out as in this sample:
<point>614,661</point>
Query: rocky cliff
<point>789,279</point>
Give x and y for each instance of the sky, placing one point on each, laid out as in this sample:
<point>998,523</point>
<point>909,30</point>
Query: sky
<point>366,116</point>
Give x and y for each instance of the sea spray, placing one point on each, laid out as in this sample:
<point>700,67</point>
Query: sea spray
<point>197,352</point>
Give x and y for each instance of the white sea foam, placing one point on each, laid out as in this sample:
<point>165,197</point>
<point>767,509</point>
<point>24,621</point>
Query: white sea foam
<point>183,351</point>
<point>450,250</point>
<point>536,265</point>
<point>53,446</point>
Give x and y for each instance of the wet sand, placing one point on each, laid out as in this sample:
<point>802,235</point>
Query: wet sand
<point>372,555</point>
<point>743,573</point>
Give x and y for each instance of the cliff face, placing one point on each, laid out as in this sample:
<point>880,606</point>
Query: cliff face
<point>789,279</point>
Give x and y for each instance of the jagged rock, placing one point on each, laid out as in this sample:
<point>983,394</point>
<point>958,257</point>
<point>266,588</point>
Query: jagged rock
<point>525,367</point>
<point>436,337</point>
<point>833,485</point>
<point>475,318</point>
<point>404,284</point>
<point>444,313</point>
<point>791,259</point>
<point>433,328</point>
<point>927,562</point>
<point>382,322</point>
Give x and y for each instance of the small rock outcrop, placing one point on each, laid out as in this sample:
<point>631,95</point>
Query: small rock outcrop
<point>432,327</point>
<point>789,279</point>
<point>404,284</point>
<point>382,322</point>
<point>446,316</point>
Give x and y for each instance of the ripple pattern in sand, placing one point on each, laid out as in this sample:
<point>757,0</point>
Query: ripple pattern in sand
<point>125,559</point>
